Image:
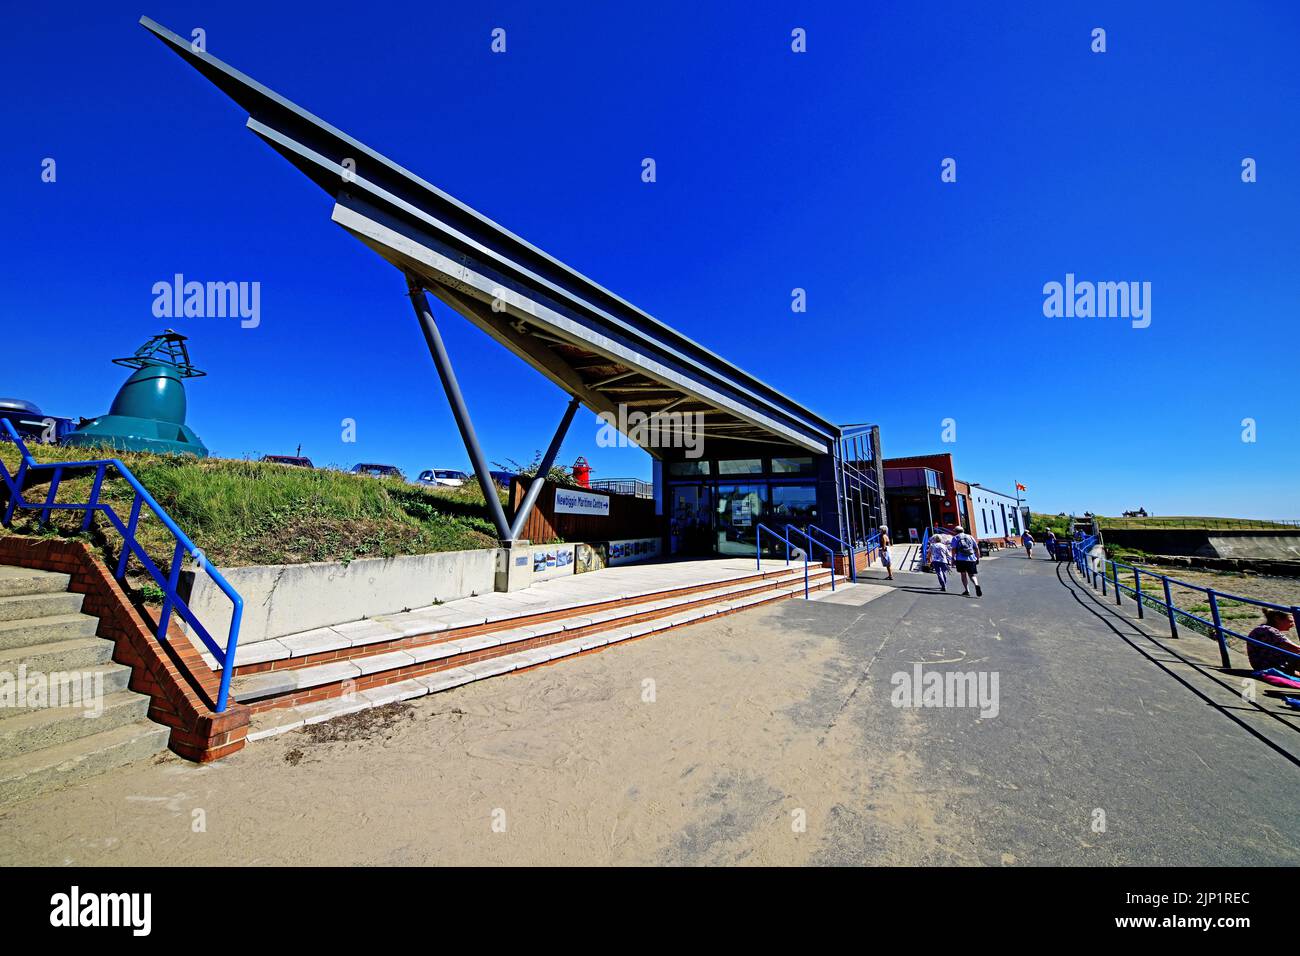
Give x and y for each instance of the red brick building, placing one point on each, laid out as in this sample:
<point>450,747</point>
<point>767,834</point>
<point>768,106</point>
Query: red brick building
<point>923,490</point>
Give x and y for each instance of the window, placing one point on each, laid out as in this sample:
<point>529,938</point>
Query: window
<point>794,504</point>
<point>793,466</point>
<point>687,469</point>
<point>741,466</point>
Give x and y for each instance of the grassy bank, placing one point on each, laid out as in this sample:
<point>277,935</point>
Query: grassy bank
<point>1193,523</point>
<point>246,512</point>
<point>1040,524</point>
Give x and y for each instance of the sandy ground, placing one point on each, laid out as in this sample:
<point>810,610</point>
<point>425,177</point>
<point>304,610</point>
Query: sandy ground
<point>766,737</point>
<point>569,761</point>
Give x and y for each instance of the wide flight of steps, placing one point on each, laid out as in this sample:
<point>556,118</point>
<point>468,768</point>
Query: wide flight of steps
<point>337,671</point>
<point>42,747</point>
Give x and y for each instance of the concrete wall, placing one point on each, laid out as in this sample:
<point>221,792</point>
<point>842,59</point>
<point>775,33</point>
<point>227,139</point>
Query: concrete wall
<point>288,598</point>
<point>1246,544</point>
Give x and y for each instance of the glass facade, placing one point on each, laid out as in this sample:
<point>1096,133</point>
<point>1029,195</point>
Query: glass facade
<point>683,469</point>
<point>715,507</point>
<point>794,466</point>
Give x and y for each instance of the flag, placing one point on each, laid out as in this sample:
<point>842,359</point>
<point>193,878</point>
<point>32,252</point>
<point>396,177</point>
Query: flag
<point>1020,487</point>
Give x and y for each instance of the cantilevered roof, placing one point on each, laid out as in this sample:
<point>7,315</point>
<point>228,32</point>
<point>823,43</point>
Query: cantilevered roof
<point>586,339</point>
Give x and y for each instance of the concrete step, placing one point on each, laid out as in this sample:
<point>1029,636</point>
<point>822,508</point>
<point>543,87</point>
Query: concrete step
<point>46,630</point>
<point>15,581</point>
<point>275,683</point>
<point>30,774</point>
<point>387,629</point>
<point>109,677</point>
<point>42,727</point>
<point>271,722</point>
<point>26,606</point>
<point>81,653</point>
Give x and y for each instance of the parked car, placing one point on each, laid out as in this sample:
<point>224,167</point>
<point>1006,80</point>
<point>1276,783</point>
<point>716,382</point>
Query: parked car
<point>446,477</point>
<point>377,471</point>
<point>288,460</point>
<point>31,423</point>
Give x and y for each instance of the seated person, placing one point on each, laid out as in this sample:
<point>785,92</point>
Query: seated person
<point>1263,647</point>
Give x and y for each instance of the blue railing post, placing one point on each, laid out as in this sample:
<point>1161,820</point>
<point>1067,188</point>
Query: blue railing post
<point>1169,604</point>
<point>49,499</point>
<point>15,489</point>
<point>1103,579</point>
<point>1218,627</point>
<point>173,578</point>
<point>128,537</point>
<point>92,502</point>
<point>1119,601</point>
<point>1137,587</point>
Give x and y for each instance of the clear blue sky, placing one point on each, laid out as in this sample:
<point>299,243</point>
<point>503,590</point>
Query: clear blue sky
<point>776,170</point>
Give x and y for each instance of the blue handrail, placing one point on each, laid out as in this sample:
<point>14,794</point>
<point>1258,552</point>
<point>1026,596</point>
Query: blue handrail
<point>758,554</point>
<point>758,544</point>
<point>172,602</point>
<point>813,542</point>
<point>925,548</point>
<point>872,544</point>
<point>853,571</point>
<point>1093,573</point>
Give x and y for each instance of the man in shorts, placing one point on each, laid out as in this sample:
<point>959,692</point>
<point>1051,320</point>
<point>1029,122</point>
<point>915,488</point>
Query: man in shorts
<point>966,559</point>
<point>885,557</point>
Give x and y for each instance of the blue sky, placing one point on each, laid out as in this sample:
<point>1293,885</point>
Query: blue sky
<point>776,170</point>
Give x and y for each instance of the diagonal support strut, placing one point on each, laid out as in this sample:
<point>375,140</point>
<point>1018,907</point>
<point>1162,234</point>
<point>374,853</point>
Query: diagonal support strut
<point>433,338</point>
<point>544,469</point>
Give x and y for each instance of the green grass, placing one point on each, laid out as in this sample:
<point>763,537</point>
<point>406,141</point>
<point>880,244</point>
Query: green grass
<point>1040,524</point>
<point>1191,523</point>
<point>247,513</point>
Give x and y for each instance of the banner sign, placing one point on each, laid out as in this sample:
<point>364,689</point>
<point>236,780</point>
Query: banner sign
<point>570,501</point>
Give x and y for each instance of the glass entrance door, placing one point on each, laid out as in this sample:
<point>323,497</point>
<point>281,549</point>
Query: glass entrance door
<point>738,511</point>
<point>690,525</point>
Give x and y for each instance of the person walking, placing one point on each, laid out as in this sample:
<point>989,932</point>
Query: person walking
<point>966,559</point>
<point>1027,540</point>
<point>885,557</point>
<point>940,558</point>
<point>1050,545</point>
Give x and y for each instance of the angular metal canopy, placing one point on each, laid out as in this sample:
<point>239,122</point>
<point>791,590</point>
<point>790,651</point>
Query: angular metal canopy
<point>584,338</point>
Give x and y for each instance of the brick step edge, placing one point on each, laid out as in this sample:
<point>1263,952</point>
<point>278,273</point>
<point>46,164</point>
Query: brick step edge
<point>374,691</point>
<point>706,594</point>
<point>306,693</point>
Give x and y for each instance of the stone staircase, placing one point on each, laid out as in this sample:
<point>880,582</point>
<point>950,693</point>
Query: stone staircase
<point>330,672</point>
<point>45,638</point>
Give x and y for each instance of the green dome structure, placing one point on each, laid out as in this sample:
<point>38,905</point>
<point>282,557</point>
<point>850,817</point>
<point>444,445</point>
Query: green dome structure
<point>148,413</point>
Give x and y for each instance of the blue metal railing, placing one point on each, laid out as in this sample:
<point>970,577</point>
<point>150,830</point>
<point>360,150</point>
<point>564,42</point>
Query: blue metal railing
<point>758,553</point>
<point>853,570</point>
<point>1106,572</point>
<point>813,543</point>
<point>925,550</point>
<point>172,601</point>
<point>871,545</point>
